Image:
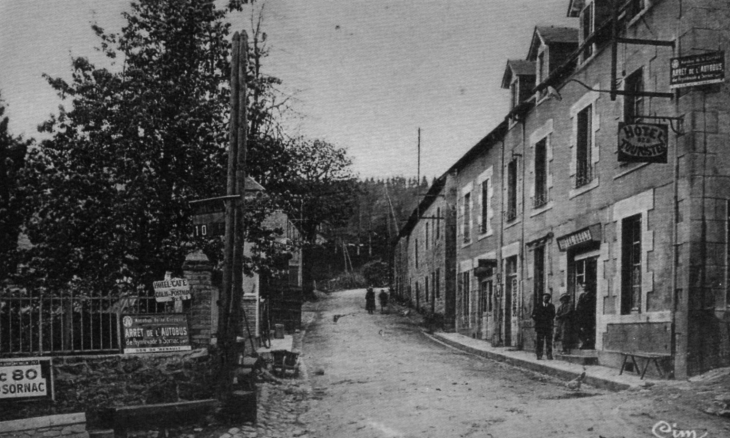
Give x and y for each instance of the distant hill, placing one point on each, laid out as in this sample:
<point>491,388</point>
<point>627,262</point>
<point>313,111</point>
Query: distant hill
<point>384,206</point>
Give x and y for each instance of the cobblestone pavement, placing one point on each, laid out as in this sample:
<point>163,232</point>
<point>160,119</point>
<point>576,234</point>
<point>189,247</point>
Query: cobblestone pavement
<point>279,410</point>
<point>281,405</point>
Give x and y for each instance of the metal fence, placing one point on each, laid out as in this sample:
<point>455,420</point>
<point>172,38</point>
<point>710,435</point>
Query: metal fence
<point>59,325</point>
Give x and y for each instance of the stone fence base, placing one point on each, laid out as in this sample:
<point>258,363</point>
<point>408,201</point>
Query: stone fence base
<point>66,426</point>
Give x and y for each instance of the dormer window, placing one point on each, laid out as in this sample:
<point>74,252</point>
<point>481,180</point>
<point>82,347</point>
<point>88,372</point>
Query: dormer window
<point>550,49</point>
<point>519,78</point>
<point>586,30</point>
<point>634,8</point>
<point>594,21</point>
<point>541,67</point>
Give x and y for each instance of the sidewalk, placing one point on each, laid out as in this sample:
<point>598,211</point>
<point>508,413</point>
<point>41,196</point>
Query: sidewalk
<point>287,343</point>
<point>596,375</point>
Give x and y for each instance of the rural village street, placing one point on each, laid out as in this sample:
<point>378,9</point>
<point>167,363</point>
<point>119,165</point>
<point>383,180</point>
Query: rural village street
<point>381,376</point>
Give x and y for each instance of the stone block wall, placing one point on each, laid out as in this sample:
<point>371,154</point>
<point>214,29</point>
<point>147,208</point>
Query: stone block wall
<point>65,426</point>
<point>201,321</point>
<point>97,384</point>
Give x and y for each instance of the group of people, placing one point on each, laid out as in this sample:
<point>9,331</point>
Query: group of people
<point>370,300</point>
<point>572,323</point>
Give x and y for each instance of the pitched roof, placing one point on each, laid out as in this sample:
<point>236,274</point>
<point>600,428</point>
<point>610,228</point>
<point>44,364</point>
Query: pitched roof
<point>558,34</point>
<point>575,7</point>
<point>551,35</point>
<point>517,67</point>
<point>250,185</point>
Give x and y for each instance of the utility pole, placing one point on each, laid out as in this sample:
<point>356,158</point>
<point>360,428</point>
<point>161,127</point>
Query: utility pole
<point>232,293</point>
<point>418,178</point>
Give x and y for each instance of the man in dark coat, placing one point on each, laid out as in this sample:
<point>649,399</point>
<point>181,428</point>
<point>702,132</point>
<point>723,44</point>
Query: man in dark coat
<point>564,324</point>
<point>370,300</point>
<point>383,296</point>
<point>585,312</point>
<point>543,315</point>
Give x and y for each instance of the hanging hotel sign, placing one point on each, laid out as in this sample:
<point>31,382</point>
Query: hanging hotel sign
<point>26,378</point>
<point>702,69</point>
<point>171,289</point>
<point>155,333</point>
<point>642,142</point>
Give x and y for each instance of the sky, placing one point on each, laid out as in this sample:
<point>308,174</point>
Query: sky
<point>362,75</point>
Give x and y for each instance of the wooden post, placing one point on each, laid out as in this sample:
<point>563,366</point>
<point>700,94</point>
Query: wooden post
<point>232,294</point>
<point>239,235</point>
<point>225,295</point>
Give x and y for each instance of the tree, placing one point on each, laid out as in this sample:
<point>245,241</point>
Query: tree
<point>138,141</point>
<point>321,192</point>
<point>12,159</point>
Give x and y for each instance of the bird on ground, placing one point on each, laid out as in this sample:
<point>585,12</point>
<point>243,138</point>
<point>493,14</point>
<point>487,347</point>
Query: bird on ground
<point>575,383</point>
<point>335,318</point>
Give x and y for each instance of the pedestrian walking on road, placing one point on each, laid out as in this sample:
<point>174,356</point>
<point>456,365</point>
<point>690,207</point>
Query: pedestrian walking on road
<point>383,296</point>
<point>370,300</point>
<point>543,315</point>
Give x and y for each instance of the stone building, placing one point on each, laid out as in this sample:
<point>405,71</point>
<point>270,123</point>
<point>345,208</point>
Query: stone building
<point>479,203</point>
<point>422,275</point>
<point>611,187</point>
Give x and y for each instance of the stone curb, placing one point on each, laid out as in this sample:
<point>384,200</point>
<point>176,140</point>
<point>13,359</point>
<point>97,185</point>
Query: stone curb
<point>541,367</point>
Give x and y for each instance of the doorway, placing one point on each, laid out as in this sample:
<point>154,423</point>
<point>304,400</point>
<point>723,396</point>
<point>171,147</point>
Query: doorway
<point>510,298</point>
<point>582,284</point>
<point>485,307</point>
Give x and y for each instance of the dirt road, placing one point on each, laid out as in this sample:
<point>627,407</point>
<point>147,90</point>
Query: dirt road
<point>381,376</point>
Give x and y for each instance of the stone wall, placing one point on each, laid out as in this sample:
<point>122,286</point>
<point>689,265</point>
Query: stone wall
<point>198,271</point>
<point>65,426</point>
<point>96,384</point>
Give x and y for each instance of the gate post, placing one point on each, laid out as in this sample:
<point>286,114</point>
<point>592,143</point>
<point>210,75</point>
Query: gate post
<point>203,316</point>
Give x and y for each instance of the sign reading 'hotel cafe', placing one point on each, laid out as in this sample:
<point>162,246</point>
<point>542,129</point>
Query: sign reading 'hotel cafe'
<point>642,143</point>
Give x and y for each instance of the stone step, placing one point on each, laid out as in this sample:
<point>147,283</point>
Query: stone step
<point>580,359</point>
<point>579,352</point>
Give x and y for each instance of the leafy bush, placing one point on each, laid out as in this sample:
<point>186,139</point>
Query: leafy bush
<point>348,280</point>
<point>433,321</point>
<point>376,273</point>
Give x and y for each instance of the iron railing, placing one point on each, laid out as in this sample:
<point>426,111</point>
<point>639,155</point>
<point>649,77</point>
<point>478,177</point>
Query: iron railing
<point>39,324</point>
<point>583,174</point>
<point>540,199</point>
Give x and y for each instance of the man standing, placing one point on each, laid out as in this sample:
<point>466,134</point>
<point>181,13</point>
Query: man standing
<point>370,300</point>
<point>383,300</point>
<point>543,315</point>
<point>585,312</point>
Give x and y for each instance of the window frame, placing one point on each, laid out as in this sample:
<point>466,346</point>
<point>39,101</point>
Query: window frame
<point>584,147</point>
<point>426,240</point>
<point>631,264</point>
<point>511,190</point>
<point>484,207</point>
<point>416,252</point>
<point>466,219</point>
<point>634,105</point>
<point>465,280</point>
<point>587,29</point>
<point>540,198</point>
<point>539,273</point>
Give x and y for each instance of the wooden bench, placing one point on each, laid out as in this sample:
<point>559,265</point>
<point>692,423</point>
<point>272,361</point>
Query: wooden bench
<point>648,357</point>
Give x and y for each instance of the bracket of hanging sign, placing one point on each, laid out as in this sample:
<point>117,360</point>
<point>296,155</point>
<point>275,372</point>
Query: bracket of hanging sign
<point>679,130</point>
<point>615,40</point>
